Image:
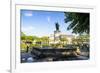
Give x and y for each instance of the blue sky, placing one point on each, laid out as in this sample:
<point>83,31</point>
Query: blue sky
<point>41,23</point>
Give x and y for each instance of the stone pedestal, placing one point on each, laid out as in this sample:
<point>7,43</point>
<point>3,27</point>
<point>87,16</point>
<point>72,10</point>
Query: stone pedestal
<point>57,36</point>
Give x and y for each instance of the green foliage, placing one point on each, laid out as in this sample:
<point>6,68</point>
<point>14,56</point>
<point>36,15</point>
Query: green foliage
<point>23,34</point>
<point>45,39</point>
<point>36,45</point>
<point>23,46</point>
<point>23,37</point>
<point>29,38</point>
<point>81,39</point>
<point>45,45</point>
<point>79,22</point>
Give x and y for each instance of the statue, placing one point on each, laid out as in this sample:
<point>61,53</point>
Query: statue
<point>57,26</point>
<point>57,33</point>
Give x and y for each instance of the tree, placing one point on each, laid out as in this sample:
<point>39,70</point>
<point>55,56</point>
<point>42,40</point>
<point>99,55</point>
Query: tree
<point>45,40</point>
<point>29,38</point>
<point>84,38</point>
<point>81,39</point>
<point>23,36</point>
<point>79,22</point>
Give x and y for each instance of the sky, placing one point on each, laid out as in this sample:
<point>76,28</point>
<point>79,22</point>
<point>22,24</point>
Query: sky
<point>41,23</point>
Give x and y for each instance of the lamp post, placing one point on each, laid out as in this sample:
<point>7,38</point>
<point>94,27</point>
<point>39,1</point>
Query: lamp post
<point>28,43</point>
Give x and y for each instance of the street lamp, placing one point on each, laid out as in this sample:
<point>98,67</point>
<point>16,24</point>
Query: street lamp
<point>28,43</point>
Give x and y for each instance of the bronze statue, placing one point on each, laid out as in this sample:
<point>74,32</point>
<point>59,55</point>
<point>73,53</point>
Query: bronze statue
<point>57,26</point>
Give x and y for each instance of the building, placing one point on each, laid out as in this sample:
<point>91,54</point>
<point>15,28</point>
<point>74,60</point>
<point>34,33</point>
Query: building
<point>57,37</point>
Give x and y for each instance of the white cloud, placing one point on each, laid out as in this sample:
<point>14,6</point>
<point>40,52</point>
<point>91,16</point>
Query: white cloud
<point>48,19</point>
<point>28,14</point>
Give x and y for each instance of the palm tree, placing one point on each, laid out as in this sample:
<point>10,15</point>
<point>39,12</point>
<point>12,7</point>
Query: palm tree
<point>79,22</point>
